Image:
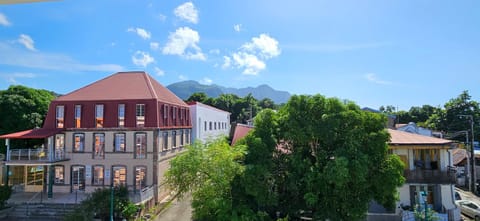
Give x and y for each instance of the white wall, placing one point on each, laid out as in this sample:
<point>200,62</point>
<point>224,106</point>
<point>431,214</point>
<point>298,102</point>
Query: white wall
<point>202,113</point>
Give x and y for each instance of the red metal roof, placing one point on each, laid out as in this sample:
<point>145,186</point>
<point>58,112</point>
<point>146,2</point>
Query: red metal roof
<point>31,134</point>
<point>124,86</point>
<point>241,130</point>
<point>398,137</point>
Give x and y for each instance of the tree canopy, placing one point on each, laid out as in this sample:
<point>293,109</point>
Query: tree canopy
<point>316,156</point>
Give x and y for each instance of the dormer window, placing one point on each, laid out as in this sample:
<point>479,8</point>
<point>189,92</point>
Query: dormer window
<point>99,115</point>
<point>60,113</point>
<point>140,113</point>
<point>78,115</point>
<point>121,115</point>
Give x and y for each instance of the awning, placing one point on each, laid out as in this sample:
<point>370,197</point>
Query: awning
<point>32,134</point>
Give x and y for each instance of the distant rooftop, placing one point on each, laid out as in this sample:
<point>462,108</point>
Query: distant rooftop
<point>404,138</point>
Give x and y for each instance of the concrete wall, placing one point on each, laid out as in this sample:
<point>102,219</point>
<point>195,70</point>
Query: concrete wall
<point>202,114</point>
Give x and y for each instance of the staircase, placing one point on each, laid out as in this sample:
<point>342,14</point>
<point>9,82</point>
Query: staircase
<point>40,211</point>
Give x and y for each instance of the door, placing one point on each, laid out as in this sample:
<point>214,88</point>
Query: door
<point>78,178</point>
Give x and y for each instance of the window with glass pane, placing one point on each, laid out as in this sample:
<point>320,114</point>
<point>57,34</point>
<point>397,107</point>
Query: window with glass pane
<point>140,113</point>
<point>78,177</point>
<point>205,126</point>
<point>165,140</point>
<point>35,175</point>
<point>181,137</point>
<point>121,115</point>
<point>59,146</point>
<point>79,143</point>
<point>98,176</point>
<point>119,142</point>
<point>174,139</point>
<point>119,175</point>
<point>165,115</point>
<point>140,177</point>
<point>99,115</point>
<point>140,145</point>
<point>99,146</point>
<point>78,115</point>
<point>60,113</point>
<point>59,175</point>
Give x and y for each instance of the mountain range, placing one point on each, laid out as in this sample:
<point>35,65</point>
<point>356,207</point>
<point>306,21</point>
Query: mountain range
<point>184,89</point>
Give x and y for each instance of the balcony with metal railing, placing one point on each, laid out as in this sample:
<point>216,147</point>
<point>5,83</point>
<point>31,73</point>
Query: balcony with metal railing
<point>430,176</point>
<point>143,195</point>
<point>36,155</point>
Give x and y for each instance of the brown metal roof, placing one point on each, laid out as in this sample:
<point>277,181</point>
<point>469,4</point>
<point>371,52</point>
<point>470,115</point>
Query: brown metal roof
<point>404,138</point>
<point>31,134</point>
<point>124,86</point>
<point>241,130</point>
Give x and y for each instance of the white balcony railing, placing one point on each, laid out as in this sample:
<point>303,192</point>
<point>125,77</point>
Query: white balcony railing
<point>143,195</point>
<point>35,155</point>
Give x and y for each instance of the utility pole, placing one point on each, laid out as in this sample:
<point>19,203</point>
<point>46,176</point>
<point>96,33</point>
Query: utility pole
<point>472,155</point>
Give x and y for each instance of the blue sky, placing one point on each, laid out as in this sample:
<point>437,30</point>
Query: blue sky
<point>400,53</point>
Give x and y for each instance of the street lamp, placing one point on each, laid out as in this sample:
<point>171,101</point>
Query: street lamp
<point>472,153</point>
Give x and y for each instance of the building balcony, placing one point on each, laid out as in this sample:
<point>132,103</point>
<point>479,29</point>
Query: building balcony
<point>36,156</point>
<point>430,176</point>
<point>143,195</point>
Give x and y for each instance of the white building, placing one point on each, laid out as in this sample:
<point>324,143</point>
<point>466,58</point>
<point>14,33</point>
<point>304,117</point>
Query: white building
<point>208,122</point>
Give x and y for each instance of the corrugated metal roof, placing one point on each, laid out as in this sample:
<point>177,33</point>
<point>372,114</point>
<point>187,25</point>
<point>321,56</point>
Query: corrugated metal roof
<point>404,138</point>
<point>124,86</point>
<point>241,130</point>
<point>31,134</point>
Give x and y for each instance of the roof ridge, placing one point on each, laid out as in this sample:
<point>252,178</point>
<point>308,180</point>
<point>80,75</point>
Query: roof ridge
<point>88,85</point>
<point>150,86</point>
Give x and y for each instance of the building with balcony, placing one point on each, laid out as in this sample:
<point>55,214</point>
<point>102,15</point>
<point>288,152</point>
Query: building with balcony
<point>429,173</point>
<point>121,130</point>
<point>208,122</point>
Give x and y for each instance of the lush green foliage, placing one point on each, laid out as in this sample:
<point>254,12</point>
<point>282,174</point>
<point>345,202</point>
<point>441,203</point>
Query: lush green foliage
<point>98,204</point>
<point>316,157</point>
<point>22,108</point>
<point>241,109</point>
<point>207,171</point>
<point>5,193</point>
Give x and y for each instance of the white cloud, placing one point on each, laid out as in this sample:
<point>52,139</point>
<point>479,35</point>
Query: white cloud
<point>227,62</point>
<point>249,62</point>
<point>237,27</point>
<point>140,32</point>
<point>27,41</point>
<point>373,78</point>
<point>142,59</point>
<point>159,72</point>
<point>251,56</point>
<point>214,51</point>
<point>264,45</point>
<point>206,81</point>
<point>12,78</point>
<point>162,17</point>
<point>154,46</point>
<point>4,21</point>
<point>182,78</point>
<point>184,42</point>
<point>48,61</point>
<point>187,12</point>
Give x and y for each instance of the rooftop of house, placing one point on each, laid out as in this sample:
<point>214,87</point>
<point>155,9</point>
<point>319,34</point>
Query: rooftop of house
<point>135,85</point>
<point>193,103</point>
<point>398,137</point>
<point>241,130</point>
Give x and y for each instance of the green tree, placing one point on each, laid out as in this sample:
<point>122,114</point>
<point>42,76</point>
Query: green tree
<point>22,108</point>
<point>256,190</point>
<point>266,103</point>
<point>207,171</point>
<point>97,204</point>
<point>198,96</point>
<point>453,117</point>
<point>338,160</point>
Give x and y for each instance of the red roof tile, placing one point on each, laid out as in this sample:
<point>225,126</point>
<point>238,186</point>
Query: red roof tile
<point>124,86</point>
<point>241,130</point>
<point>404,138</point>
<point>31,134</point>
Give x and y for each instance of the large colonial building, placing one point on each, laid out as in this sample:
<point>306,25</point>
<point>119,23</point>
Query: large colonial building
<point>208,122</point>
<point>121,130</point>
